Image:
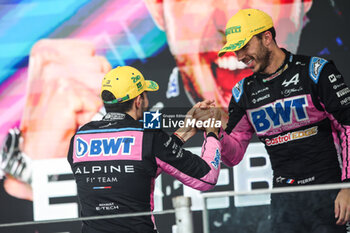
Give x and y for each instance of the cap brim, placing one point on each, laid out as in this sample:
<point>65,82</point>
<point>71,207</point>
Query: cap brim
<point>151,85</point>
<point>232,46</point>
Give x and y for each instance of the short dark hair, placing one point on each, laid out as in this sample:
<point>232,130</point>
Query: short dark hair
<point>117,107</point>
<point>273,33</point>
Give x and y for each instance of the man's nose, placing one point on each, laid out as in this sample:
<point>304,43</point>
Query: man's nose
<point>239,55</point>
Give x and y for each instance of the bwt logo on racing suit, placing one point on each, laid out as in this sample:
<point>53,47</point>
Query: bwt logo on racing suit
<point>105,146</point>
<point>271,115</point>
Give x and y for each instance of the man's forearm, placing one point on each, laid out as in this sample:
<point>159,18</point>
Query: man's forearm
<point>184,134</point>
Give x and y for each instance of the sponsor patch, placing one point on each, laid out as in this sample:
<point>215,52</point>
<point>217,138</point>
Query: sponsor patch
<point>234,46</point>
<point>125,145</point>
<point>234,29</point>
<point>280,179</point>
<point>258,91</point>
<point>291,136</point>
<point>106,206</point>
<point>336,86</point>
<point>290,181</point>
<point>315,68</point>
<point>284,111</point>
<point>294,80</point>
<point>345,101</point>
<point>216,161</point>
<point>332,78</point>
<point>307,180</point>
<point>343,92</point>
<point>237,90</point>
<point>288,92</point>
<point>261,98</point>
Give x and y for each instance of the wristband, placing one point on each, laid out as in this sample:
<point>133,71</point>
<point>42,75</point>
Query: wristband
<point>179,137</point>
<point>211,134</point>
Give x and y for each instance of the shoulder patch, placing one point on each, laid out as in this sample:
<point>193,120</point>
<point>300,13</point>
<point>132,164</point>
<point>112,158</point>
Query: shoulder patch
<point>290,57</point>
<point>237,90</point>
<point>315,68</point>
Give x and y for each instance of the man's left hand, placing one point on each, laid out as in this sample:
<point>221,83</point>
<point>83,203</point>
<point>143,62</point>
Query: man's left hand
<point>342,206</point>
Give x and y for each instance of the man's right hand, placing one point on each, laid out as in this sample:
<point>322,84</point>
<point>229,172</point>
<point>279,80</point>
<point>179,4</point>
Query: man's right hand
<point>200,114</point>
<point>207,110</point>
<point>216,113</point>
<point>207,104</point>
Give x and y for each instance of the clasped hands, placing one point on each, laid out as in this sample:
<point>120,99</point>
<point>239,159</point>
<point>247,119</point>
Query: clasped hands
<point>204,116</point>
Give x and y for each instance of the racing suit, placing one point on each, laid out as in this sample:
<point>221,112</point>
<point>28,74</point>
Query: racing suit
<point>302,115</point>
<point>115,163</point>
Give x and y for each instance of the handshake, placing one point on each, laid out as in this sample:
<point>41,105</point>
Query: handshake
<point>203,116</point>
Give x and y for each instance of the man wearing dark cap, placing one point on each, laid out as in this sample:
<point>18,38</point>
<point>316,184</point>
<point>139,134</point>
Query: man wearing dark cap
<point>299,107</point>
<point>115,161</point>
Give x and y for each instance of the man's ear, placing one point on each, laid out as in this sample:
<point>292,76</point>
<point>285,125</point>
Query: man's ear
<point>155,7</point>
<point>137,102</point>
<point>267,38</point>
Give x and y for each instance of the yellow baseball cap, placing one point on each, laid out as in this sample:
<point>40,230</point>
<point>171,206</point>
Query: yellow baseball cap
<point>126,83</point>
<point>243,26</point>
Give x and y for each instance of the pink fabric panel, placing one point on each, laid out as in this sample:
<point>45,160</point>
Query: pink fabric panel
<point>344,132</point>
<point>152,201</point>
<point>210,155</point>
<point>185,179</point>
<point>125,145</point>
<point>235,144</point>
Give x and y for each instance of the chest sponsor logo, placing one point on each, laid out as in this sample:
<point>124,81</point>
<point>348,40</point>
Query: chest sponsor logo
<point>288,92</point>
<point>300,63</point>
<point>333,78</point>
<point>345,101</point>
<point>260,91</point>
<point>336,86</point>
<point>294,80</point>
<point>281,112</point>
<point>291,136</point>
<point>343,92</point>
<point>261,98</point>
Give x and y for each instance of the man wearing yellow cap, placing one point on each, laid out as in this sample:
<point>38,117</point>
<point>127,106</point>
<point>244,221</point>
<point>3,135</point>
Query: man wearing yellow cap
<point>299,107</point>
<point>115,161</point>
